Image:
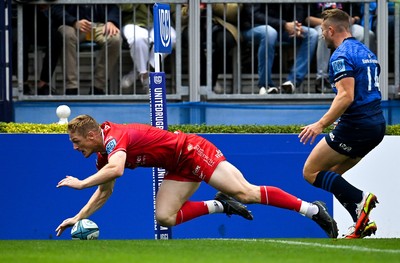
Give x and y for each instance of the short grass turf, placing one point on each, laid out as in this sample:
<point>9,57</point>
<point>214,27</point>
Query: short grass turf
<point>201,250</point>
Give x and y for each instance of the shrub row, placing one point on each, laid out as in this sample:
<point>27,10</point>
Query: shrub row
<point>56,128</point>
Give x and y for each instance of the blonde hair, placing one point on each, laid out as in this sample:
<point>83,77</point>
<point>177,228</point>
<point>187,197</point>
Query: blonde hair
<point>337,18</point>
<point>82,124</point>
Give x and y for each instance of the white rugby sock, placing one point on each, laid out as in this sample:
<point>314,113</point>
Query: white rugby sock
<point>214,206</point>
<point>308,209</point>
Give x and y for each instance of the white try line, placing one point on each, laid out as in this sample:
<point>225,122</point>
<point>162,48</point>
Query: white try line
<point>299,243</point>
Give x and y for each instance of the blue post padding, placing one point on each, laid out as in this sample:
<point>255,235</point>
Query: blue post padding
<point>158,100</point>
<point>158,116</point>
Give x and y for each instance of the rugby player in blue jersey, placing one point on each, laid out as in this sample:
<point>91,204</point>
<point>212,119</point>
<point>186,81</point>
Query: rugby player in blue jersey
<point>353,73</point>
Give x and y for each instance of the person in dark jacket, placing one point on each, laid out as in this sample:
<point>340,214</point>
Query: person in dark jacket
<point>96,23</point>
<point>36,32</point>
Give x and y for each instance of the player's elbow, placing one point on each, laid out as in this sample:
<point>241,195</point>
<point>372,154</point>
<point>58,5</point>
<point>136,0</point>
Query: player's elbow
<point>106,193</point>
<point>106,190</point>
<point>117,171</point>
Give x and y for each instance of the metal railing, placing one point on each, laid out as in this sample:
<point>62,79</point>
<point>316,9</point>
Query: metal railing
<point>238,76</point>
<point>6,100</point>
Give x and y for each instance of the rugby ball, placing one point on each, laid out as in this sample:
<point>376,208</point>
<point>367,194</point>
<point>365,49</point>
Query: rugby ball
<point>85,229</point>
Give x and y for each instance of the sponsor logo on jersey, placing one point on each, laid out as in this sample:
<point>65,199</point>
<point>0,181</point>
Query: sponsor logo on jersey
<point>338,66</point>
<point>110,146</point>
<point>369,61</point>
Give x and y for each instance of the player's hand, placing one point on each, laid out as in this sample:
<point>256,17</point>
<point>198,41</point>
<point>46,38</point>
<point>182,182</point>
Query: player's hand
<point>70,181</point>
<point>310,132</point>
<point>65,224</point>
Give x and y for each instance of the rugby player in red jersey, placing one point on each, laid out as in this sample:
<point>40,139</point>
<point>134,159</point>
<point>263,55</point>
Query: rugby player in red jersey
<point>188,159</point>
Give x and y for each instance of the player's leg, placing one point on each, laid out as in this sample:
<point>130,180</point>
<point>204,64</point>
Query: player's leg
<point>228,179</point>
<point>171,196</point>
<point>324,158</point>
<point>324,168</point>
<point>173,206</point>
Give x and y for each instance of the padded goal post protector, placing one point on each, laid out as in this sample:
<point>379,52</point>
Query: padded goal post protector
<point>158,116</point>
<point>158,101</point>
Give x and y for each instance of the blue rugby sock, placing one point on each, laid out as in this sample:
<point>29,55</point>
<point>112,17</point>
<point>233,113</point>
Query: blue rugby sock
<point>345,193</point>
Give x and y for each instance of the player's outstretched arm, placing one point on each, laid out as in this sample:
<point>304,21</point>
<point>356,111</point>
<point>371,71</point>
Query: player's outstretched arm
<point>341,102</point>
<point>112,170</point>
<point>98,199</point>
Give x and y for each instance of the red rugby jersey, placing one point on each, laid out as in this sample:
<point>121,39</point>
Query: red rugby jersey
<point>145,145</point>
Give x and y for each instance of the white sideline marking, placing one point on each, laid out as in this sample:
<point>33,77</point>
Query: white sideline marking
<point>299,243</point>
<point>354,248</point>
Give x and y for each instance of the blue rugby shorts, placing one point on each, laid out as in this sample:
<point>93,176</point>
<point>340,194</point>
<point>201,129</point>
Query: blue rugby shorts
<point>355,141</point>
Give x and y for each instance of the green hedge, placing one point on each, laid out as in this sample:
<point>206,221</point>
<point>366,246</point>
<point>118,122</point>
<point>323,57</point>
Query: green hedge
<point>56,128</point>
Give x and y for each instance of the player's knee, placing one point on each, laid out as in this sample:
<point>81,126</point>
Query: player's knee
<point>165,220</point>
<point>246,197</point>
<point>309,176</point>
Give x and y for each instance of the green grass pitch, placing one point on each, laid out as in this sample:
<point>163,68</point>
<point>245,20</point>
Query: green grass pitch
<point>201,250</point>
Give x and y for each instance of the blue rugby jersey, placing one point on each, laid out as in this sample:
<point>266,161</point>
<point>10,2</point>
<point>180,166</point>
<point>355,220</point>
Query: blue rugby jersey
<point>353,59</point>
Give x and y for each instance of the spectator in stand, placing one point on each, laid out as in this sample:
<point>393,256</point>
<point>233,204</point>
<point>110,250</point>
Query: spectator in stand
<point>52,50</point>
<point>323,52</point>
<point>224,40</point>
<point>102,22</point>
<point>256,32</point>
<point>138,30</point>
<point>291,24</point>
